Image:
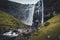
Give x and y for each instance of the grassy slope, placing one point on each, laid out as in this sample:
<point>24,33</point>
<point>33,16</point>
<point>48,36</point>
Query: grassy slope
<point>52,30</point>
<point>7,21</point>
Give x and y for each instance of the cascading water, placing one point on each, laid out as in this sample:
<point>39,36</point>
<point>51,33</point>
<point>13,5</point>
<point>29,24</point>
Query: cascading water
<point>29,19</point>
<point>23,12</point>
<point>42,12</point>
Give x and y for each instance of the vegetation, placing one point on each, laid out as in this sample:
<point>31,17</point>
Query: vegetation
<point>8,21</point>
<point>49,32</point>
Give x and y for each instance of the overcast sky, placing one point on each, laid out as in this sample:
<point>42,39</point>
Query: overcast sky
<point>25,1</point>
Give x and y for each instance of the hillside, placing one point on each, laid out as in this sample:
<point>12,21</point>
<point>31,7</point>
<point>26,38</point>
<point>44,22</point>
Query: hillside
<point>49,32</point>
<point>8,21</point>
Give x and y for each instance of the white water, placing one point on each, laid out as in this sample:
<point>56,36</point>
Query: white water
<point>10,34</point>
<point>25,1</point>
<point>29,19</point>
<point>42,12</point>
<point>30,10</point>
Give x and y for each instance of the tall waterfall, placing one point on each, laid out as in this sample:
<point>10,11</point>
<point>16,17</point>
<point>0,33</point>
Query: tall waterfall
<point>25,12</point>
<point>42,12</point>
<point>29,19</point>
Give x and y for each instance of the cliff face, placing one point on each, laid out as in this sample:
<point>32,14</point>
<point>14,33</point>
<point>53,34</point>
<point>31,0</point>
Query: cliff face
<point>52,5</point>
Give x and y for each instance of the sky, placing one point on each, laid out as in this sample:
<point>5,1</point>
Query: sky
<point>25,1</point>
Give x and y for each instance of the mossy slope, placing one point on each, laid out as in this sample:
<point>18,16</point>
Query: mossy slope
<point>50,32</point>
<point>8,21</point>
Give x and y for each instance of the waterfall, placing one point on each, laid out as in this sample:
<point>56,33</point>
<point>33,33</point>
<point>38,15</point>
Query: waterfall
<point>10,34</point>
<point>42,12</point>
<point>29,19</point>
<point>24,12</point>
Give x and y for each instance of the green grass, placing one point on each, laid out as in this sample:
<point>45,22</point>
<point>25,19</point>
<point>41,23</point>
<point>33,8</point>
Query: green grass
<point>52,30</point>
<point>8,21</point>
